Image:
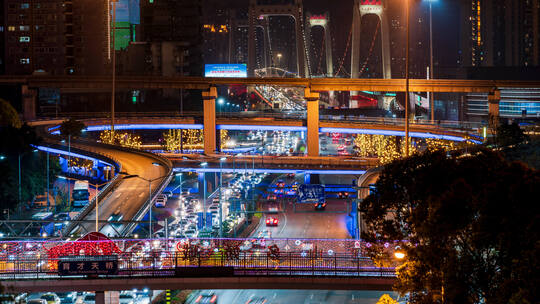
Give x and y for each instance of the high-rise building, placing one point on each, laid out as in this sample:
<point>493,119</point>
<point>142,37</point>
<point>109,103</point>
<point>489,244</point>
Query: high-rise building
<point>87,36</point>
<point>177,21</point>
<point>55,36</point>
<point>34,36</point>
<point>216,31</point>
<point>500,33</point>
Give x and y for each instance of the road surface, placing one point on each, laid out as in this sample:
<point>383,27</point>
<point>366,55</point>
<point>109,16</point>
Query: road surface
<point>297,296</point>
<point>130,194</point>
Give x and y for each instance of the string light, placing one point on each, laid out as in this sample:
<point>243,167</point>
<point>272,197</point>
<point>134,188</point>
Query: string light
<point>175,140</point>
<point>123,139</point>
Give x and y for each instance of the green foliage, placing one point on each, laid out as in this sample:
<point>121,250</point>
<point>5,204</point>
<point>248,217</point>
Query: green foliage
<point>509,134</point>
<point>71,127</point>
<point>469,225</point>
<point>8,115</point>
<point>529,153</point>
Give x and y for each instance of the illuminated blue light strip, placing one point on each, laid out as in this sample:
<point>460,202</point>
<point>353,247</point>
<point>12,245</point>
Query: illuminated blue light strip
<point>261,128</point>
<point>72,154</point>
<point>393,133</point>
<point>282,171</point>
<point>144,127</point>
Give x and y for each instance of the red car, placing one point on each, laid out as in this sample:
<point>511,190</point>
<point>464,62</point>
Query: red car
<point>272,221</point>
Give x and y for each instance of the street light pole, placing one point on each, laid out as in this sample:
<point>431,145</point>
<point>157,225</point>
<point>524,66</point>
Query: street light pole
<point>407,83</point>
<point>113,68</point>
<point>220,199</point>
<point>150,212</point>
<point>431,95</point>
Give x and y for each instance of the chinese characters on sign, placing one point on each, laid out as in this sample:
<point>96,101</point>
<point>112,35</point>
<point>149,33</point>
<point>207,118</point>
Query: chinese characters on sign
<point>105,265</point>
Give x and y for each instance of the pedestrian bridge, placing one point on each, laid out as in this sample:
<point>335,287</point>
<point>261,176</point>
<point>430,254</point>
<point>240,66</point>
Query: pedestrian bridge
<point>255,263</point>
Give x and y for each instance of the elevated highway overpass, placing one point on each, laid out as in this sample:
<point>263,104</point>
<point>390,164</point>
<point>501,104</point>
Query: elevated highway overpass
<point>288,122</point>
<point>129,197</point>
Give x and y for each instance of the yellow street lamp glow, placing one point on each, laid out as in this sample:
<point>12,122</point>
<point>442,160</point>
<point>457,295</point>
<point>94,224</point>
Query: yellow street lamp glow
<point>399,255</point>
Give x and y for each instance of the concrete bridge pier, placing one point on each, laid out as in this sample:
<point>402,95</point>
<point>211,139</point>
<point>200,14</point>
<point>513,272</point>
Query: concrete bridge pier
<point>312,99</point>
<point>100,297</point>
<point>209,132</point>
<point>29,101</point>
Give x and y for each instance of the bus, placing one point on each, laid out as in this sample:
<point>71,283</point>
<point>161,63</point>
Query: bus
<point>80,194</point>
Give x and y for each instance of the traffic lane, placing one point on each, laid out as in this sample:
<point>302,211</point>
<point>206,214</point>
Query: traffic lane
<point>305,222</point>
<point>300,296</point>
<point>130,194</point>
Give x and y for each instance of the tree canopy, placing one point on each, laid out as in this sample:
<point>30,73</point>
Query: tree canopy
<point>71,127</point>
<point>8,115</point>
<point>468,224</point>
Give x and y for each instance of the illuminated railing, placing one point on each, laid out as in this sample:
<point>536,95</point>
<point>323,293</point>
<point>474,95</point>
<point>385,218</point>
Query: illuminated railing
<point>163,257</point>
<point>218,261</point>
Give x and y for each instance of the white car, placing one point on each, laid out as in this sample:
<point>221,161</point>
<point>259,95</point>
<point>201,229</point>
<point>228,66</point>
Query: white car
<point>89,298</point>
<point>126,298</point>
<point>190,233</point>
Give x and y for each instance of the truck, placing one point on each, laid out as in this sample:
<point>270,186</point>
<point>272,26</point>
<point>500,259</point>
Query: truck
<point>80,194</point>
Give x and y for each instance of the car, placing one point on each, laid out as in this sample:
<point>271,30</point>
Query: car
<point>160,202</point>
<point>126,298</point>
<point>51,298</point>
<point>213,208</point>
<point>116,217</point>
<point>63,216</point>
<point>280,184</point>
<point>257,300</point>
<point>343,194</point>
<point>36,301</point>
<point>273,209</point>
<point>68,300</point>
<point>190,233</point>
<point>272,221</point>
<point>89,298</point>
<point>206,297</point>
<point>185,192</point>
<point>320,206</point>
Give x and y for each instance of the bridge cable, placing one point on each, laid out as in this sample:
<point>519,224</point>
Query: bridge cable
<point>370,49</point>
<point>346,51</point>
<point>321,53</point>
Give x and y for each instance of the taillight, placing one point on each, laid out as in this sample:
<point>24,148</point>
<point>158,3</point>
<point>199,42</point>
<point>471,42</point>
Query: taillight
<point>213,299</point>
<point>275,221</point>
<point>198,299</point>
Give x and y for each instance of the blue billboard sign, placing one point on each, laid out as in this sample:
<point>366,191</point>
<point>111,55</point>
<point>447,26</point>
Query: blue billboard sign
<point>310,193</point>
<point>200,221</point>
<point>225,70</point>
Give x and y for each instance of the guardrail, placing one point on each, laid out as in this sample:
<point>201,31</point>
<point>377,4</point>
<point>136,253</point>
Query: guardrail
<point>142,211</point>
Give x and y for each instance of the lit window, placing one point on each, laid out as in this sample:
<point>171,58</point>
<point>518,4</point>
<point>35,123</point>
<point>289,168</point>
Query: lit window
<point>24,28</point>
<point>11,28</point>
<point>24,39</point>
<point>25,61</point>
<point>25,5</point>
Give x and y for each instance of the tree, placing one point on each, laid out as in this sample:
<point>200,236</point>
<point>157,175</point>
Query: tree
<point>8,115</point>
<point>509,134</point>
<point>71,127</point>
<point>386,299</point>
<point>467,223</point>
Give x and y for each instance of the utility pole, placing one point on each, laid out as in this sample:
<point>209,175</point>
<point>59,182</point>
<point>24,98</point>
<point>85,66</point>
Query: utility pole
<point>407,83</point>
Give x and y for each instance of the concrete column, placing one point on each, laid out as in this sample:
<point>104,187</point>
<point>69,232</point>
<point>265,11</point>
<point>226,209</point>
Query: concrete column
<point>100,297</point>
<point>312,99</point>
<point>493,109</point>
<point>209,99</point>
<point>28,102</point>
<point>328,46</point>
<point>385,39</point>
<point>355,40</point>
<point>302,64</point>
